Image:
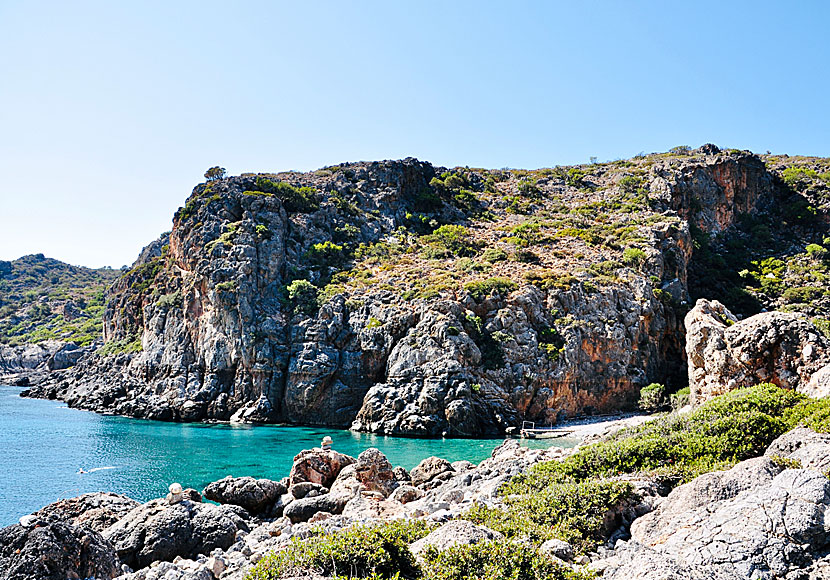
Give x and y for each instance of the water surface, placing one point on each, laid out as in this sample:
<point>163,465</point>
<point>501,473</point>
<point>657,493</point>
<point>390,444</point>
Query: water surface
<point>43,444</point>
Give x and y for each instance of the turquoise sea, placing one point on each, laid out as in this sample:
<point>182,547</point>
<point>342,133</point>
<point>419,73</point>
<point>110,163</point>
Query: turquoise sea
<point>44,443</point>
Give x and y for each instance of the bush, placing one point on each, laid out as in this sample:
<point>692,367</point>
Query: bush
<point>495,560</point>
<point>303,295</point>
<point>803,294</point>
<point>727,429</point>
<point>295,199</point>
<point>634,257</point>
<point>816,252</point>
<point>449,241</point>
<point>494,255</point>
<point>652,397</point>
<point>325,254</point>
<point>358,552</point>
<point>681,398</point>
<point>215,173</point>
<point>480,289</point>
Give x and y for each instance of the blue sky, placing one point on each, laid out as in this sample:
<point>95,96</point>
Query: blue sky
<point>110,112</point>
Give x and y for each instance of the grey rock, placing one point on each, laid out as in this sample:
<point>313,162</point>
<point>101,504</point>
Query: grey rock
<point>454,533</point>
<point>406,494</point>
<point>55,551</point>
<point>302,510</point>
<point>302,489</point>
<point>557,548</point>
<point>255,495</point>
<point>95,511</point>
<point>430,472</point>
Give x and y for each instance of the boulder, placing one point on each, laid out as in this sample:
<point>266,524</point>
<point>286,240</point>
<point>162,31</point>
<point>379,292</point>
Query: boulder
<point>724,353</point>
<point>318,466</point>
<point>406,494</point>
<point>96,511</point>
<point>374,472</point>
<point>558,549</point>
<point>55,551</point>
<point>158,530</point>
<point>808,448</point>
<point>430,472</point>
<point>758,520</point>
<point>453,533</point>
<point>301,490</point>
<point>302,510</point>
<point>255,495</point>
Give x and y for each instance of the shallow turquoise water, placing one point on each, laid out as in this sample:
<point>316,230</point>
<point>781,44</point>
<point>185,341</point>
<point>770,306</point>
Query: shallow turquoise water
<point>44,443</point>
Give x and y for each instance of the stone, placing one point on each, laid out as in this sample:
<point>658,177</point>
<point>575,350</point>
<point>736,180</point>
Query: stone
<point>431,471</point>
<point>302,510</point>
<point>302,489</point>
<point>374,472</point>
<point>95,511</point>
<point>557,548</point>
<point>453,533</point>
<point>406,494</point>
<point>318,466</point>
<point>158,531</point>
<point>255,495</point>
<point>55,551</point>
<point>772,347</point>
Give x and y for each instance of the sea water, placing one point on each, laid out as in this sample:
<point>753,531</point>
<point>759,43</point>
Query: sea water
<point>43,444</point>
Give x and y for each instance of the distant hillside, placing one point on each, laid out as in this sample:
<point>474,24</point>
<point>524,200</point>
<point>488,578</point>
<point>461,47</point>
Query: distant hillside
<point>42,299</point>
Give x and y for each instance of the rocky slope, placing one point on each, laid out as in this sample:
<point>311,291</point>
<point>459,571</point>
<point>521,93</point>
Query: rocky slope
<point>401,298</point>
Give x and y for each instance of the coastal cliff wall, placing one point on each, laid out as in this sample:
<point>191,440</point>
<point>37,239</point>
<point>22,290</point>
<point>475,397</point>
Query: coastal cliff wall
<point>397,297</point>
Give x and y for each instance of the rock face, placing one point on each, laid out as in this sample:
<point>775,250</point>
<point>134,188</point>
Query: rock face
<point>158,531</point>
<point>773,347</point>
<point>228,327</point>
<point>96,511</point>
<point>30,362</point>
<point>255,495</point>
<point>758,520</point>
<point>55,551</point>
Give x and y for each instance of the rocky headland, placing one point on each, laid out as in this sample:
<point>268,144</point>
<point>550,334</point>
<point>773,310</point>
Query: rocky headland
<point>401,298</point>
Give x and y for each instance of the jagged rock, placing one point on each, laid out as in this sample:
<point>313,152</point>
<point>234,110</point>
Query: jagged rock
<point>758,520</point>
<point>255,495</point>
<point>96,511</point>
<point>318,466</point>
<point>406,494</point>
<point>302,510</point>
<point>454,533</point>
<point>724,353</point>
<point>301,490</point>
<point>159,531</point>
<point>374,472</point>
<point>431,471</point>
<point>810,449</point>
<point>401,474</point>
<point>558,549</point>
<point>55,551</point>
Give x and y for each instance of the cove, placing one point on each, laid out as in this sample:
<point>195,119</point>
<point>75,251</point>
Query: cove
<point>44,443</point>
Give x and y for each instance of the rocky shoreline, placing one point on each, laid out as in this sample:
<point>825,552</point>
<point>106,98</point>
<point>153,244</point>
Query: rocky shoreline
<point>763,518</point>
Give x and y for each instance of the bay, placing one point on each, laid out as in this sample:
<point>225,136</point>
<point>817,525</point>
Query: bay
<point>43,444</point>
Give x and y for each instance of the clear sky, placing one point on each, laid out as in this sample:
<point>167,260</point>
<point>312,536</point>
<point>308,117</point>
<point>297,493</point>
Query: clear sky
<point>111,111</point>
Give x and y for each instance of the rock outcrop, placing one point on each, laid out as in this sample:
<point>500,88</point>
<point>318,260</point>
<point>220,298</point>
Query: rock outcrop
<point>772,347</point>
<point>333,297</point>
<point>762,519</point>
<point>96,511</point>
<point>30,363</point>
<point>159,531</point>
<point>254,495</point>
<point>55,551</point>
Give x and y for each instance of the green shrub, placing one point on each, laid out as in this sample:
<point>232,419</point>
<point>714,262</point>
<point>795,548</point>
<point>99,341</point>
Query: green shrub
<point>652,397</point>
<point>727,429</point>
<point>568,510</point>
<point>369,551</point>
<point>494,255</point>
<point>125,345</point>
<point>803,294</point>
<point>325,254</point>
<point>228,286</point>
<point>681,398</point>
<point>449,241</point>
<point>480,289</point>
<point>634,257</point>
<point>495,560</point>
<point>295,199</point>
<point>172,300</point>
<point>529,188</point>
<point>816,252</point>
<point>303,295</point>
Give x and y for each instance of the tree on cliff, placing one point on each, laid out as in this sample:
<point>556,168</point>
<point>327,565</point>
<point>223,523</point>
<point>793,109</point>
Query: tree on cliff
<point>215,173</point>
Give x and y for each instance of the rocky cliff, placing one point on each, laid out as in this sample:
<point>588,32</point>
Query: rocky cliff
<point>401,298</point>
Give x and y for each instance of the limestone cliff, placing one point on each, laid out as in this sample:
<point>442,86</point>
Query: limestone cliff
<point>397,297</point>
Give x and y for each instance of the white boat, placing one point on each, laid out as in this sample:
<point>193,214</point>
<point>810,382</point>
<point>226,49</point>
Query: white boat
<point>531,431</point>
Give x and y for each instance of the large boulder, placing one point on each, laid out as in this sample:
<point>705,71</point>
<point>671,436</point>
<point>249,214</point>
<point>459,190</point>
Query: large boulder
<point>759,520</point>
<point>158,530</point>
<point>454,533</point>
<point>775,347</point>
<point>371,472</point>
<point>431,472</point>
<point>318,466</point>
<point>302,510</point>
<point>55,551</point>
<point>255,495</point>
<point>96,511</point>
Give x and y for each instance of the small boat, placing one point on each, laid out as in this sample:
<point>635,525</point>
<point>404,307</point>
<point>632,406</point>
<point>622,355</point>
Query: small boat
<point>531,431</point>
